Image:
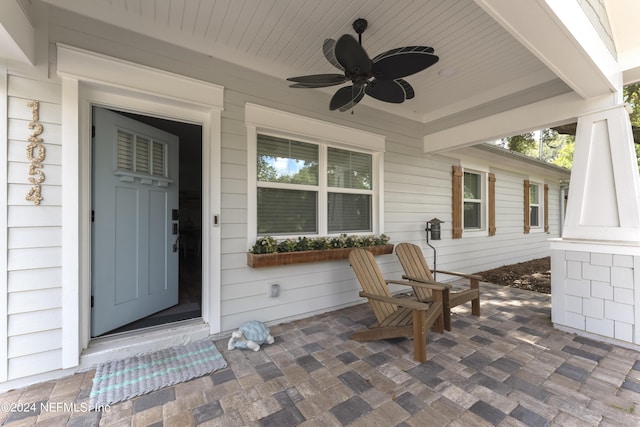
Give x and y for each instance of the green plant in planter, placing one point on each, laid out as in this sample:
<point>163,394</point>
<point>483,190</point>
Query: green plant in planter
<point>367,241</point>
<point>287,245</point>
<point>339,242</point>
<point>265,245</point>
<point>382,239</point>
<point>354,241</point>
<point>320,244</point>
<point>304,244</point>
<point>268,244</point>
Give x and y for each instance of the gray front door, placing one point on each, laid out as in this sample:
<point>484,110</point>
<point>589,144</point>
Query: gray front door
<point>134,230</point>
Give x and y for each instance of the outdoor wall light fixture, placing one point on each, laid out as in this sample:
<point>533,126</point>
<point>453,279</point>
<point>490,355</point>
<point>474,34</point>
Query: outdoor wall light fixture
<point>433,229</point>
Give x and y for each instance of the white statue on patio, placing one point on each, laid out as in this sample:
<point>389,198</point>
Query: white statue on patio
<point>251,335</point>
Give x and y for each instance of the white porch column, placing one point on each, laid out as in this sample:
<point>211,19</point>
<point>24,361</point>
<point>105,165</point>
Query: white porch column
<point>595,267</point>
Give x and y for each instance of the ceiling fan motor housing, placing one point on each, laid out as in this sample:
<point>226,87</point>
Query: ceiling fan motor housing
<point>359,25</point>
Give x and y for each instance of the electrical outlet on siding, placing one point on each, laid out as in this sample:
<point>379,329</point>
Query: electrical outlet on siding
<point>273,290</point>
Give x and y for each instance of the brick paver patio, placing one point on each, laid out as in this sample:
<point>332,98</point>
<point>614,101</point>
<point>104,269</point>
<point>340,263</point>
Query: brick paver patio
<point>507,368</point>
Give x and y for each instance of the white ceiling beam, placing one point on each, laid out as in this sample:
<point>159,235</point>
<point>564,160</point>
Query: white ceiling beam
<point>554,111</point>
<point>17,35</point>
<point>560,34</point>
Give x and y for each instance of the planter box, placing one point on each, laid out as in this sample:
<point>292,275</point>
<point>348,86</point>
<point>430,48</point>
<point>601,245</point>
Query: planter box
<point>284,258</point>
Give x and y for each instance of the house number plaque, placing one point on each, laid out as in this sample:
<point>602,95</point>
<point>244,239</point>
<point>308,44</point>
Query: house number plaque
<point>35,154</point>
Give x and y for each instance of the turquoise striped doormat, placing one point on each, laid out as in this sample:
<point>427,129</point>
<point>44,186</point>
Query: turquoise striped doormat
<point>134,376</point>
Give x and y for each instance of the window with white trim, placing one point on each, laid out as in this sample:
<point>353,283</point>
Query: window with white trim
<point>310,188</point>
<point>473,195</point>
<point>473,201</point>
<point>535,204</point>
<point>324,178</point>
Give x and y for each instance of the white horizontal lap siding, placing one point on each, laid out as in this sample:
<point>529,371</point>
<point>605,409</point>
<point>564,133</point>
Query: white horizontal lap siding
<point>418,188</point>
<point>509,245</point>
<point>34,288</point>
<point>305,288</point>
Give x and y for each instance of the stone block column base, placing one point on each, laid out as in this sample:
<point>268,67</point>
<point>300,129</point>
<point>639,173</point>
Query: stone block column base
<point>595,290</point>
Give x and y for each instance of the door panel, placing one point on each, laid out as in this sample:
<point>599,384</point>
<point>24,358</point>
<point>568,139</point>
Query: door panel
<point>158,248</point>
<point>135,188</point>
<point>126,249</point>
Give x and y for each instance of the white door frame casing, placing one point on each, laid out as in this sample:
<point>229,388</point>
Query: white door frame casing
<point>93,79</point>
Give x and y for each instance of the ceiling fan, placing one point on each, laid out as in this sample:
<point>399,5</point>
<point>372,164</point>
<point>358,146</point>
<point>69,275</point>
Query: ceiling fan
<point>380,77</point>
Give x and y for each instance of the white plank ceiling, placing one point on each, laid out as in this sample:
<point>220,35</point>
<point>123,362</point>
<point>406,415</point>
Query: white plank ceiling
<point>480,63</point>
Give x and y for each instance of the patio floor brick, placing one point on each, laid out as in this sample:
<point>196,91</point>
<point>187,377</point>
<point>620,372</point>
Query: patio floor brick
<point>508,368</point>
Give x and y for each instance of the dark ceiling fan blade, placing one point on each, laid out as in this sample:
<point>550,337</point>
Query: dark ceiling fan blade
<point>346,97</point>
<point>388,90</point>
<point>402,62</point>
<point>353,102</point>
<point>328,48</point>
<point>329,79</point>
<point>311,85</point>
<point>352,56</point>
<point>426,49</point>
<point>408,89</point>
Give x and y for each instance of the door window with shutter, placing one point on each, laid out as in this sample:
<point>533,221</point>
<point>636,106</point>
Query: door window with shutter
<point>138,156</point>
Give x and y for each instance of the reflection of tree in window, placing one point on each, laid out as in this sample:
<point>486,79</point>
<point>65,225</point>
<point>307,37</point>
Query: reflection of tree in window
<point>287,210</point>
<point>287,161</point>
<point>348,169</point>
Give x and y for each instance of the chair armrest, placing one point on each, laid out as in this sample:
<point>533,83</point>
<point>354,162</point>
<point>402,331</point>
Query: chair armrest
<point>403,302</point>
<point>455,273</point>
<point>429,284</point>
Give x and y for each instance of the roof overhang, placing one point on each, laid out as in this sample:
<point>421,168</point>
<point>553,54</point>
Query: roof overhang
<point>17,34</point>
<point>515,162</point>
<point>568,44</point>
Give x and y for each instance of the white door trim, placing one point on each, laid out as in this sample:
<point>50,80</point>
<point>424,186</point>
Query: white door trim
<point>87,79</point>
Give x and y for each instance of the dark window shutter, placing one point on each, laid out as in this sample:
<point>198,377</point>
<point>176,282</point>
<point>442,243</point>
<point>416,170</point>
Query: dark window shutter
<point>527,208</point>
<point>546,208</point>
<point>492,204</point>
<point>456,197</point>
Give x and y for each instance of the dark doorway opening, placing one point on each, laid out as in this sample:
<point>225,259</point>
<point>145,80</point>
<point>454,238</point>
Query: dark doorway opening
<point>190,225</point>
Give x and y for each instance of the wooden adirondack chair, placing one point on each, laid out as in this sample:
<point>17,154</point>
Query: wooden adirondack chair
<point>417,270</point>
<point>396,317</point>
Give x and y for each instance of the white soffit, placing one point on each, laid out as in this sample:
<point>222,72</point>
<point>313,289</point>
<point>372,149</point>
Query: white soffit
<point>568,44</point>
<point>17,35</point>
<point>479,59</point>
<point>623,16</point>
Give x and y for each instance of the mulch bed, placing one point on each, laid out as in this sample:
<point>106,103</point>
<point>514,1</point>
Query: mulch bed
<point>534,275</point>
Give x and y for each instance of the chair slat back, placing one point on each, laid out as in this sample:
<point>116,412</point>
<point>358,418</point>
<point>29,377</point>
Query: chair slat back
<point>371,280</point>
<point>415,265</point>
